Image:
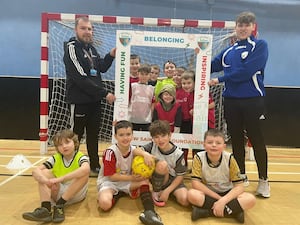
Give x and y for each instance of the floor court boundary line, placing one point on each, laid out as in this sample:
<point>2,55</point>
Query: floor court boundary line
<point>27,156</point>
<point>22,171</point>
<point>274,163</point>
<point>275,173</point>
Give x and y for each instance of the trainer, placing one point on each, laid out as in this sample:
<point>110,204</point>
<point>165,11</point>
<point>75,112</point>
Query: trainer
<point>84,89</point>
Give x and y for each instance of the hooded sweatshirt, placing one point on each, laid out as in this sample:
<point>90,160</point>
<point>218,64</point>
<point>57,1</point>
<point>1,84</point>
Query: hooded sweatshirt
<point>170,112</point>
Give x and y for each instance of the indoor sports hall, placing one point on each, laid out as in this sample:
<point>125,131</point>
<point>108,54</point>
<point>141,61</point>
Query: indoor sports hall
<point>33,107</point>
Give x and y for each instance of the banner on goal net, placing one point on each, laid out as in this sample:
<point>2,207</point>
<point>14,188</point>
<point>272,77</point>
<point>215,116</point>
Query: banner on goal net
<point>198,46</point>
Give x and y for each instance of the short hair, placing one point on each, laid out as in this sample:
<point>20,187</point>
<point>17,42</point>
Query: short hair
<point>135,56</point>
<point>181,68</point>
<point>122,124</point>
<point>155,66</point>
<point>170,62</point>
<point>188,74</point>
<point>245,17</point>
<point>159,127</point>
<point>83,18</point>
<point>214,133</point>
<point>64,135</point>
<point>144,68</point>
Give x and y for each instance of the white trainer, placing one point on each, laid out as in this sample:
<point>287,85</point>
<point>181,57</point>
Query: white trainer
<point>263,188</point>
<point>245,179</point>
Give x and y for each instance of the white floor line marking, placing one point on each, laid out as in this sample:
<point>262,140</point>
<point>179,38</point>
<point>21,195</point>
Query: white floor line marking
<point>274,163</point>
<point>27,156</point>
<point>275,173</point>
<point>22,171</point>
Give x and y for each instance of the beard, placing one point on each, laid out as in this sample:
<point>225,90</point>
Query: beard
<point>86,39</point>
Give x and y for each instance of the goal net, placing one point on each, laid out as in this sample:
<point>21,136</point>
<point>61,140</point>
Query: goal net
<point>58,28</point>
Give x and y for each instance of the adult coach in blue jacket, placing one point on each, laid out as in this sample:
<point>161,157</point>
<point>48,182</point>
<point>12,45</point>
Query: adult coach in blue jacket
<point>243,64</point>
<point>84,89</point>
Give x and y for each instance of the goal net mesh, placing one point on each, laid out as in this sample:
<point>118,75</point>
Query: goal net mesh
<point>60,31</point>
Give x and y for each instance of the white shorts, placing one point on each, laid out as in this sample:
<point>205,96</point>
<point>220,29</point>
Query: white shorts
<point>117,186</point>
<point>78,197</point>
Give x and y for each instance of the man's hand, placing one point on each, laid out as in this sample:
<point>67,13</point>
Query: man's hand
<point>110,98</point>
<point>113,52</point>
<point>213,82</point>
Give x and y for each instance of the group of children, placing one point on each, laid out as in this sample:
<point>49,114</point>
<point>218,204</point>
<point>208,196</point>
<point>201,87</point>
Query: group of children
<point>162,107</point>
<point>169,98</point>
<point>216,187</point>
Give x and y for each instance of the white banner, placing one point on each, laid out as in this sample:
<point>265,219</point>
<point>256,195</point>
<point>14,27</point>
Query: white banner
<point>200,43</point>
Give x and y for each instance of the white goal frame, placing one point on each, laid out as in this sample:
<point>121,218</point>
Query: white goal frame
<point>44,77</point>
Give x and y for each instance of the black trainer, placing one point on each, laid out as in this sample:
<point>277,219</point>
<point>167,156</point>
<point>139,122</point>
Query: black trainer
<point>39,214</point>
<point>198,213</point>
<point>240,217</point>
<point>94,172</point>
<point>58,214</point>
<point>149,217</point>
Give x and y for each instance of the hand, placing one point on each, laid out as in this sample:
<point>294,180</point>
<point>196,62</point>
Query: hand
<point>110,98</point>
<point>218,208</point>
<point>149,159</point>
<point>53,183</point>
<point>113,52</point>
<point>137,177</point>
<point>213,82</point>
<point>114,123</point>
<point>191,112</point>
<point>164,196</point>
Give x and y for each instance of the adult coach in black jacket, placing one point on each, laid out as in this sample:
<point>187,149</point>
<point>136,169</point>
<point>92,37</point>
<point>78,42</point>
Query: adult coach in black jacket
<point>84,89</point>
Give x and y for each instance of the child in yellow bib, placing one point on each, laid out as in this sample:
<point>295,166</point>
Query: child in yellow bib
<point>62,179</point>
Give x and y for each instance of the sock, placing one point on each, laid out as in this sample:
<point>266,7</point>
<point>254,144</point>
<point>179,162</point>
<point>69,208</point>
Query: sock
<point>157,181</point>
<point>46,205</point>
<point>61,201</point>
<point>117,197</point>
<point>208,204</point>
<point>146,197</point>
<point>185,155</point>
<point>233,207</point>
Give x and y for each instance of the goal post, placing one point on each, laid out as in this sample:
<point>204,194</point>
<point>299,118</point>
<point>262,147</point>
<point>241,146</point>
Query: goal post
<point>57,28</point>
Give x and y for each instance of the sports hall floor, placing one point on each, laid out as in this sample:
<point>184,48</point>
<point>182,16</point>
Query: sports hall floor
<point>18,193</point>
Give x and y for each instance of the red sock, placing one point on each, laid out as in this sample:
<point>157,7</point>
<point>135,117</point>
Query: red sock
<point>185,155</point>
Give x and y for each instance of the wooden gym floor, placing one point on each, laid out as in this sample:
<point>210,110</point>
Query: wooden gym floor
<point>19,193</point>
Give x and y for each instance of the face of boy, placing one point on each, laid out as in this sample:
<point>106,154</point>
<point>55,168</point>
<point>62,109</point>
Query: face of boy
<point>177,77</point>
<point>167,98</point>
<point>143,77</point>
<point>124,137</point>
<point>214,145</point>
<point>162,141</point>
<point>66,148</point>
<point>244,30</point>
<point>188,85</point>
<point>169,70</point>
<point>154,74</point>
<point>134,66</point>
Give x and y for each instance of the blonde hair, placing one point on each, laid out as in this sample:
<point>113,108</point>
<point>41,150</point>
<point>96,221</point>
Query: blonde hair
<point>214,133</point>
<point>188,74</point>
<point>155,66</point>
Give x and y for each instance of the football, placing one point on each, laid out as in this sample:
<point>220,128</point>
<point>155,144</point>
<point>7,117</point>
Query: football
<point>140,168</point>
